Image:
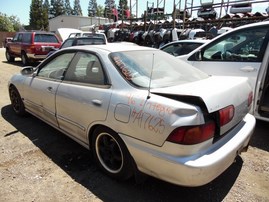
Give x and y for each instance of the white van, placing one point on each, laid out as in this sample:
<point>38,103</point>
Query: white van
<point>243,51</point>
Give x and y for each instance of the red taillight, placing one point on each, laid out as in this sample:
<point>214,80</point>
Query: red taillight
<point>226,115</point>
<point>192,135</point>
<point>250,98</point>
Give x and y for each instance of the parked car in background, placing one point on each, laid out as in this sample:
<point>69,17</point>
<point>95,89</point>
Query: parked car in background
<point>140,109</point>
<point>182,47</point>
<point>79,41</point>
<point>89,34</point>
<point>243,51</point>
<point>31,46</point>
<point>65,33</point>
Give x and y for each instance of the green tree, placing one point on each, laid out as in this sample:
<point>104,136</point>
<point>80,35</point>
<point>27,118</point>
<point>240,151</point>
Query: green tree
<point>45,16</point>
<point>77,8</point>
<point>52,11</point>
<point>56,8</point>
<point>15,21</point>
<point>68,8</point>
<point>36,15</point>
<point>109,6</point>
<point>5,23</point>
<point>92,8</point>
<point>46,5</point>
<point>122,8</point>
<point>100,11</point>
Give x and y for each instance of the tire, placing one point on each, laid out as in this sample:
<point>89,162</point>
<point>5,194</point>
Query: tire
<point>24,59</point>
<point>9,57</point>
<point>111,154</point>
<point>16,101</point>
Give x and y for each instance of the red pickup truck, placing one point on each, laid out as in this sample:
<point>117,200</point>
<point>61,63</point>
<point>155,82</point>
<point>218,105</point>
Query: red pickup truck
<point>31,46</point>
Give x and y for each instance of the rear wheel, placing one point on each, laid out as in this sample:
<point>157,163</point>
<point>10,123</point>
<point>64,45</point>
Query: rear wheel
<point>111,154</point>
<point>9,57</point>
<point>24,59</point>
<point>16,101</point>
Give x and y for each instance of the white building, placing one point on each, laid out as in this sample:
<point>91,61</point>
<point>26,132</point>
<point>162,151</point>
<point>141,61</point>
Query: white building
<point>76,22</point>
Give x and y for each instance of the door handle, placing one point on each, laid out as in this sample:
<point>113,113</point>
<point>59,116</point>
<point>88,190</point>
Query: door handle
<point>97,102</point>
<point>49,89</point>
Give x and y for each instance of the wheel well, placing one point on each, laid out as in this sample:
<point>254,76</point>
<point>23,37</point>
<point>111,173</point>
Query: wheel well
<point>12,86</point>
<point>91,132</point>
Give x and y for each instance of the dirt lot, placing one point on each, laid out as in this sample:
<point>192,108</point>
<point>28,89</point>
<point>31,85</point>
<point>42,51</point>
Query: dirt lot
<point>37,163</point>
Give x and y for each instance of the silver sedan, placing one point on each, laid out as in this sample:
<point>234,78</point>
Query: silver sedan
<point>140,109</point>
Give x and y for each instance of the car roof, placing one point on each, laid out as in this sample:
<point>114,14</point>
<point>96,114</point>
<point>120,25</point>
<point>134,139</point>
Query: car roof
<point>36,32</point>
<point>113,47</point>
<point>202,41</point>
<point>85,37</point>
<point>191,41</point>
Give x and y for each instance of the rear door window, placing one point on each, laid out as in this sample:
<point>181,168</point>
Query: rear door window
<point>45,38</point>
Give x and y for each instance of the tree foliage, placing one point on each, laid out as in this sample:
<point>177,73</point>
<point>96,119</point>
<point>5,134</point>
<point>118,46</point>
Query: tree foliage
<point>68,8</point>
<point>5,23</point>
<point>122,9</point>
<point>92,8</point>
<point>56,8</point>
<point>37,17</point>
<point>15,21</point>
<point>77,8</point>
<point>100,11</point>
<point>109,6</point>
<point>46,7</point>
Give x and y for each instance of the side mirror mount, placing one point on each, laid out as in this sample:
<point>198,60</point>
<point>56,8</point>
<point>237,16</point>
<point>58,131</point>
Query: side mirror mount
<point>27,70</point>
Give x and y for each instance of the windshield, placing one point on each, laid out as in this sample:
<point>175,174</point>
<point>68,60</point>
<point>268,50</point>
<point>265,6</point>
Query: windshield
<point>137,67</point>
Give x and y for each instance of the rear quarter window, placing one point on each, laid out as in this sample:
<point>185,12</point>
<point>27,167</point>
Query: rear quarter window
<point>45,38</point>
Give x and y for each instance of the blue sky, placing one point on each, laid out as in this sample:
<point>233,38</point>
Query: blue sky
<point>21,8</point>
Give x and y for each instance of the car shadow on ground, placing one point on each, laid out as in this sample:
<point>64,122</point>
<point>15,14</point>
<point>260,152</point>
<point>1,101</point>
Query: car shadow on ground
<point>19,63</point>
<point>77,162</point>
<point>260,137</point>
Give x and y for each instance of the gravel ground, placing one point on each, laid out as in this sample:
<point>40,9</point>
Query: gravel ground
<point>37,163</point>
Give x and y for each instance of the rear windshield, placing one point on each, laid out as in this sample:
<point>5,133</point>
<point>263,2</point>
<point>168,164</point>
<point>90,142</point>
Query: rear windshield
<point>90,41</point>
<point>154,68</point>
<point>45,38</point>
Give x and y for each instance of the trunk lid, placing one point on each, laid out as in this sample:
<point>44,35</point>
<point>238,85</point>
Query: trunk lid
<point>217,92</point>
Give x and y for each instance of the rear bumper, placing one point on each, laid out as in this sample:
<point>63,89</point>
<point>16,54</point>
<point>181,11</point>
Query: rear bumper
<point>36,57</point>
<point>198,169</point>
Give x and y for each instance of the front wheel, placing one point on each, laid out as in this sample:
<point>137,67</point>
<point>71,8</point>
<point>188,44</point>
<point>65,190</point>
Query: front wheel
<point>111,154</point>
<point>16,101</point>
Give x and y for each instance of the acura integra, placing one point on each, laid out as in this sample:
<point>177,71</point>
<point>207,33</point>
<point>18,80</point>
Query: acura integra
<point>139,109</point>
